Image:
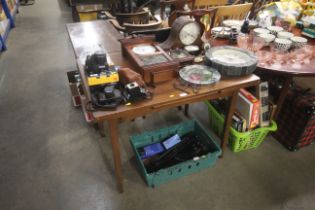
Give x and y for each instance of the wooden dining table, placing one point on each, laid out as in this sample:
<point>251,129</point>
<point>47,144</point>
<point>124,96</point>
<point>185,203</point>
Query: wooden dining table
<point>285,71</point>
<point>86,36</point>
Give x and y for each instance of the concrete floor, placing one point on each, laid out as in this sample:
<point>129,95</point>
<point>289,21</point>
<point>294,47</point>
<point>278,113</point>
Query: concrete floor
<point>51,159</point>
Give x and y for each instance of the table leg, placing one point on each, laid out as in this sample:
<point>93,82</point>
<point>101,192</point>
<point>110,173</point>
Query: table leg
<point>101,128</point>
<point>122,6</point>
<point>116,152</point>
<point>129,5</point>
<point>228,121</point>
<point>186,111</point>
<point>257,91</point>
<point>283,94</point>
<point>162,8</point>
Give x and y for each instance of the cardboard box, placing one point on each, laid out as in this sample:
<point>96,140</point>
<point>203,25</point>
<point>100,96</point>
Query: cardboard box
<point>88,12</point>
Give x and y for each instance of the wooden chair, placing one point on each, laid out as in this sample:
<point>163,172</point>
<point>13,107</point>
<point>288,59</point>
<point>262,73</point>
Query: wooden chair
<point>205,4</point>
<point>141,17</point>
<point>139,21</point>
<point>199,16</point>
<point>238,12</point>
<point>175,5</point>
<point>161,34</point>
<point>130,27</point>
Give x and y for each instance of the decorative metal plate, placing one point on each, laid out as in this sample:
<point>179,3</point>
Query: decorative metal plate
<point>199,74</point>
<point>231,61</point>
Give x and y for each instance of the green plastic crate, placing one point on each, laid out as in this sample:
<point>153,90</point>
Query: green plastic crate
<point>238,141</point>
<point>174,172</point>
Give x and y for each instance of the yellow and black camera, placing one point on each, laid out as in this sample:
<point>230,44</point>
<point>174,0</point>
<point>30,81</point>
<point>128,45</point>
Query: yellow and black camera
<point>99,72</point>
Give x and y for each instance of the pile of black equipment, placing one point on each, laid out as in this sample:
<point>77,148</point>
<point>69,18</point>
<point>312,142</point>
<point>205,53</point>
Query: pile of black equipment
<point>191,146</point>
<point>103,80</point>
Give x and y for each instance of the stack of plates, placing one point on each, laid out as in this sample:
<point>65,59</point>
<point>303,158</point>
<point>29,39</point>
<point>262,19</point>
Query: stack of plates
<point>231,22</point>
<point>222,32</point>
<point>231,61</point>
<point>239,23</point>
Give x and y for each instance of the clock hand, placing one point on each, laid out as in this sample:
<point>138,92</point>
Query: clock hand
<point>191,35</point>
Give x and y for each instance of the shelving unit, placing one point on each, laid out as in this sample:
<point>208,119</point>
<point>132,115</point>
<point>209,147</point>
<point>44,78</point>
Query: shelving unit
<point>4,27</point>
<point>8,11</point>
<point>10,8</point>
<point>1,44</point>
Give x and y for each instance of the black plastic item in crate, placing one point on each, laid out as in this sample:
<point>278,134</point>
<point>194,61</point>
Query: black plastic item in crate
<point>184,168</point>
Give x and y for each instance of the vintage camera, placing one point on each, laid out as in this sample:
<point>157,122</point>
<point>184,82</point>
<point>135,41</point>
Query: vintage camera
<point>134,92</point>
<point>106,96</point>
<point>96,63</point>
<point>99,71</point>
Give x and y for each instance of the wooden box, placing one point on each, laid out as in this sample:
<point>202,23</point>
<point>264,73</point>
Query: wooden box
<point>154,67</point>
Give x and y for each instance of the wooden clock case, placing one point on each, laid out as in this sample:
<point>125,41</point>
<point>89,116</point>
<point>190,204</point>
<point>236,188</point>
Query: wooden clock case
<point>182,18</point>
<point>151,73</point>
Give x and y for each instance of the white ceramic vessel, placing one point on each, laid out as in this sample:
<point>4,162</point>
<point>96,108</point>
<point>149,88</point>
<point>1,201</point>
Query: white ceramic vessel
<point>258,31</point>
<point>284,35</point>
<point>268,38</point>
<point>298,41</point>
<point>283,44</point>
<point>275,29</point>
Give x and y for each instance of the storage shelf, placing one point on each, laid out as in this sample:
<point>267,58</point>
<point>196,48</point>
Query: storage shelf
<point>9,22</point>
<point>1,45</point>
<point>10,13</point>
<point>14,12</point>
<point>5,33</point>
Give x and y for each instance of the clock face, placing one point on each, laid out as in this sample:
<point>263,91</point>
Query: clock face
<point>189,33</point>
<point>144,49</point>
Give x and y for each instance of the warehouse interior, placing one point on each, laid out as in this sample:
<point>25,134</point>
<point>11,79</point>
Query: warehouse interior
<point>52,159</point>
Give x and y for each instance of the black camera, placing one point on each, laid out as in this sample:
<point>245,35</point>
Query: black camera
<point>96,63</point>
<point>106,96</point>
<point>134,92</point>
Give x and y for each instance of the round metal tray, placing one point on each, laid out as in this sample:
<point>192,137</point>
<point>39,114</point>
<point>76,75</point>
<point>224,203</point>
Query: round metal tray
<point>231,61</point>
<point>199,74</point>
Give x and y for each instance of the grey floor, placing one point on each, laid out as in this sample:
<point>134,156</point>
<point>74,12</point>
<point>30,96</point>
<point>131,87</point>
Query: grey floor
<point>50,158</point>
